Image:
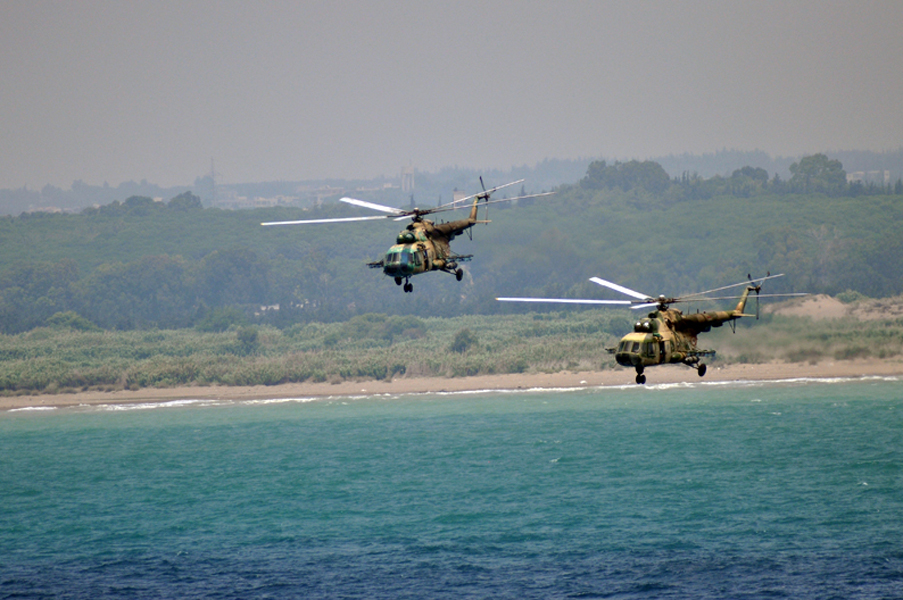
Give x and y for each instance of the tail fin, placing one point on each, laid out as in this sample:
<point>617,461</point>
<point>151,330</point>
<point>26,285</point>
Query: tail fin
<point>484,195</point>
<point>473,209</point>
<point>741,305</point>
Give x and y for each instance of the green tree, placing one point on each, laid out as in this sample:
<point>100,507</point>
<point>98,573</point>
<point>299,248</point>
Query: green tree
<point>71,320</point>
<point>31,292</point>
<point>233,276</point>
<point>818,174</point>
<point>139,205</point>
<point>464,340</point>
<point>247,340</point>
<point>647,175</point>
<point>748,181</point>
<point>185,202</point>
<point>753,173</point>
<point>153,291</point>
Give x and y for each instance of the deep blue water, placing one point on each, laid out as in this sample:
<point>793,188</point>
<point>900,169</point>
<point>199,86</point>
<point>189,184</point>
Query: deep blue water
<point>777,490</point>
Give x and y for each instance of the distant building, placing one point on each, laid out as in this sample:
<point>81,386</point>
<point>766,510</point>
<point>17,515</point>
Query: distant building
<point>875,177</point>
<point>407,179</point>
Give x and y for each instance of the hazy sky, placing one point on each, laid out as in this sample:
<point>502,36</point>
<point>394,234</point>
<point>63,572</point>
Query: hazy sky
<point>117,91</point>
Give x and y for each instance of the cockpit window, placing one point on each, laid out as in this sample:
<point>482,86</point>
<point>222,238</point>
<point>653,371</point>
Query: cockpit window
<point>402,257</point>
<point>636,347</point>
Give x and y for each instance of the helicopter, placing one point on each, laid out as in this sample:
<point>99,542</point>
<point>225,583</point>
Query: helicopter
<point>666,335</point>
<point>423,245</point>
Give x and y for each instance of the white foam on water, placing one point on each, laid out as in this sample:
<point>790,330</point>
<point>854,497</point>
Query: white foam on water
<point>652,387</point>
<point>154,405</point>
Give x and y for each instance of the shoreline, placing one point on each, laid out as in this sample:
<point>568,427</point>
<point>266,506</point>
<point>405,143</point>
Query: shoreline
<point>512,381</point>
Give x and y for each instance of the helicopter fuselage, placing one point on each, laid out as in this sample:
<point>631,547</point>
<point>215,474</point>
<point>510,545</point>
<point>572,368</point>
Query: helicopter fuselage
<point>425,246</point>
<point>416,251</point>
<point>658,339</point>
<point>669,336</point>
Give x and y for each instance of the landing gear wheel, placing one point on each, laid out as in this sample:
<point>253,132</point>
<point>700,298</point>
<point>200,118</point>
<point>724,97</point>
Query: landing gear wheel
<point>701,370</point>
<point>408,288</point>
<point>459,274</point>
<point>398,281</point>
<point>640,378</point>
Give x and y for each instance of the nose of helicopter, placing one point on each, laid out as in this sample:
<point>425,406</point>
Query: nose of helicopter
<point>399,262</point>
<point>626,359</point>
<point>628,352</point>
<point>398,269</point>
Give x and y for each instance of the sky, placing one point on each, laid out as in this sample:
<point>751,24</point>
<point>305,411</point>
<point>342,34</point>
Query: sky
<point>281,91</point>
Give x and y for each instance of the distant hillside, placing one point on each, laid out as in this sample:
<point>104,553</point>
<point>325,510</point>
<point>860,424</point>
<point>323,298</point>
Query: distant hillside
<point>428,188</point>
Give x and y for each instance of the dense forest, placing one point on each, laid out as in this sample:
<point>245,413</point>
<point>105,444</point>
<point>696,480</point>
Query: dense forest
<point>141,264</point>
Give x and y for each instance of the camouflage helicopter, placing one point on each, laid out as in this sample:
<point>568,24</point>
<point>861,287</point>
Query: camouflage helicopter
<point>666,335</point>
<point>423,245</point>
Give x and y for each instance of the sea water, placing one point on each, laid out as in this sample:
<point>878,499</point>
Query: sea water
<point>772,490</point>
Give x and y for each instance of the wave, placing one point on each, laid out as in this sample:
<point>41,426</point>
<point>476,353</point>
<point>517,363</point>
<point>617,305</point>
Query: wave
<point>32,408</point>
<point>651,387</point>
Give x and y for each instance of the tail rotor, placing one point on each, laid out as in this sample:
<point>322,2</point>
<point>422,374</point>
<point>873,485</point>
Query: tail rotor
<point>486,197</point>
<point>756,288</point>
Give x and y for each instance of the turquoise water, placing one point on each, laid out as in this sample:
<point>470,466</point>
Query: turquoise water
<point>777,490</point>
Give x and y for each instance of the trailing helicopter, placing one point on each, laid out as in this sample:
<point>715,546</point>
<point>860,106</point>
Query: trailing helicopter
<point>666,335</point>
<point>423,245</point>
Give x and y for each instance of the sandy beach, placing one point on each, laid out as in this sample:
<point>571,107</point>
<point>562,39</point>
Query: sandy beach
<point>564,379</point>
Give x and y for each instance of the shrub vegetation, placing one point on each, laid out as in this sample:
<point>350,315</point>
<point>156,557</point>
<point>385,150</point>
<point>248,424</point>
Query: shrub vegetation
<point>63,359</point>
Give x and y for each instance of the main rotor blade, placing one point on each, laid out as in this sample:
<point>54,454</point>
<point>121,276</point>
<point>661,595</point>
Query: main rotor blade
<point>620,288</point>
<point>486,193</point>
<point>453,206</point>
<point>373,206</point>
<point>338,220</point>
<point>512,199</point>
<point>787,295</point>
<point>426,211</point>
<point>565,301</point>
<point>733,285</point>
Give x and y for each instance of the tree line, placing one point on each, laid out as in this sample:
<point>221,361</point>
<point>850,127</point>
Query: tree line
<point>815,174</point>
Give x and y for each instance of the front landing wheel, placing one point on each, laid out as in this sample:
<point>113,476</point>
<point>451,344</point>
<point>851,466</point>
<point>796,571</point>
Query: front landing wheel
<point>408,288</point>
<point>640,378</point>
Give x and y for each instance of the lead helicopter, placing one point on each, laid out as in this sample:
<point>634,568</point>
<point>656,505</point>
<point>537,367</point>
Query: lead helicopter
<point>666,335</point>
<point>423,245</point>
